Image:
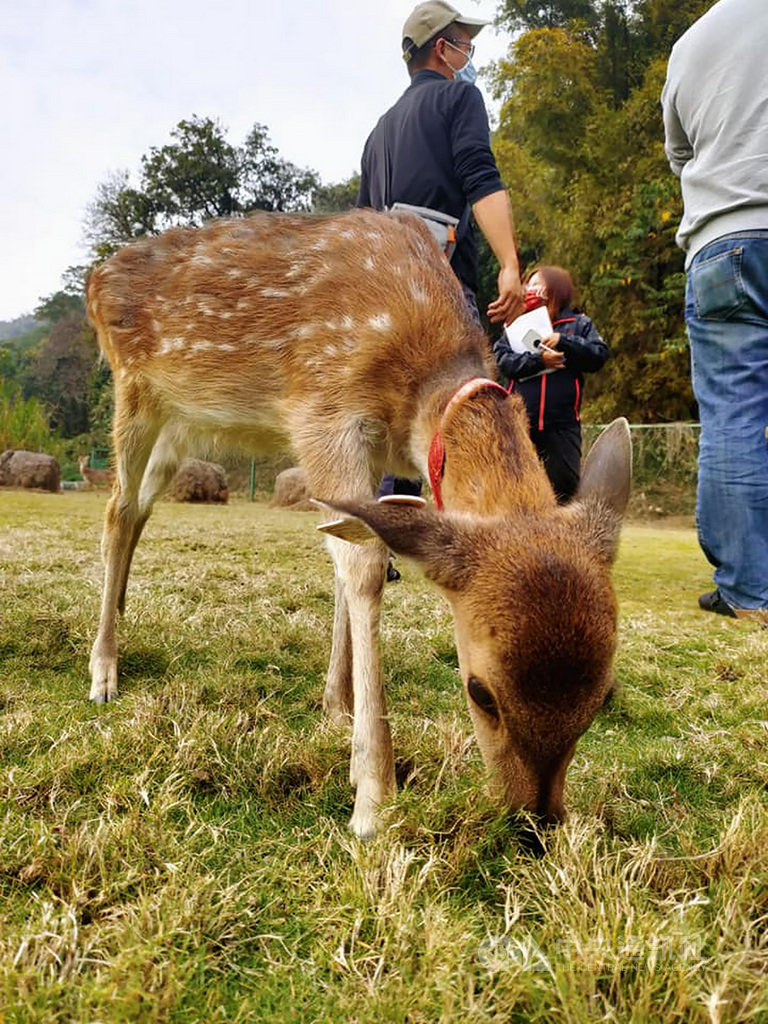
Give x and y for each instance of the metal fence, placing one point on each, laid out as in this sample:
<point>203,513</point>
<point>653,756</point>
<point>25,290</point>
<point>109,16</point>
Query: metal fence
<point>664,466</point>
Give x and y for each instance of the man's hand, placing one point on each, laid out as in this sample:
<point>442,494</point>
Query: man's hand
<point>509,302</point>
<point>493,214</point>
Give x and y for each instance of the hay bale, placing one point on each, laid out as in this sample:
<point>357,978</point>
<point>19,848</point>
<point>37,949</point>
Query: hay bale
<point>292,491</point>
<point>29,469</point>
<point>199,481</point>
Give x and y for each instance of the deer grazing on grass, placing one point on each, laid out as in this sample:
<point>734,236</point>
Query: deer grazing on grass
<point>94,477</point>
<point>348,339</point>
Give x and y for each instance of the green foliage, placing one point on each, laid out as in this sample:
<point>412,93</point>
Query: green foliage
<point>101,404</point>
<point>58,374</point>
<point>527,14</point>
<point>23,421</point>
<point>336,198</point>
<point>580,143</point>
<point>196,176</point>
<point>60,306</point>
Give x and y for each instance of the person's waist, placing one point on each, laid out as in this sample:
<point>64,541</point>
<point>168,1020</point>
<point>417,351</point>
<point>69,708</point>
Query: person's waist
<point>746,221</point>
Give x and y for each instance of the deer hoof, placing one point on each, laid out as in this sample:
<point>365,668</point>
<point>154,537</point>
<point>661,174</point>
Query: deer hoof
<point>104,680</point>
<point>364,827</point>
<point>368,800</point>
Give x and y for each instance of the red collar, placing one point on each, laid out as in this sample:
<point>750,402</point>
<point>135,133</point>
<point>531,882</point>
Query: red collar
<point>436,455</point>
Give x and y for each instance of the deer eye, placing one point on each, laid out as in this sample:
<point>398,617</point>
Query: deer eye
<point>483,697</point>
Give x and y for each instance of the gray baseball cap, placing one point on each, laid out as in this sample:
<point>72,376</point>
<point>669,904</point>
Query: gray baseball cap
<point>429,18</point>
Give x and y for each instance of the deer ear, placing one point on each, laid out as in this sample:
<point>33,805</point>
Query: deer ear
<point>607,472</point>
<point>603,491</point>
<point>439,544</point>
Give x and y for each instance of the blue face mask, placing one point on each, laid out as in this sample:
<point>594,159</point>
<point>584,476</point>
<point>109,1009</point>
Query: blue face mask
<point>467,74</point>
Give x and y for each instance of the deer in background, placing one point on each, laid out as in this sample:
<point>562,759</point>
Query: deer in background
<point>347,338</point>
<point>94,477</point>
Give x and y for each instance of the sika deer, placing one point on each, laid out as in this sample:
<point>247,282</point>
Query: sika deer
<point>94,477</point>
<point>348,338</point>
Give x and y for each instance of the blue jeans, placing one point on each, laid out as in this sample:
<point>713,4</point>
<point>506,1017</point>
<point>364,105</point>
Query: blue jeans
<point>726,313</point>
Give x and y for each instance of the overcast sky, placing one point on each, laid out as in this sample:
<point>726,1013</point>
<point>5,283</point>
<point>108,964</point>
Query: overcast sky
<point>87,86</point>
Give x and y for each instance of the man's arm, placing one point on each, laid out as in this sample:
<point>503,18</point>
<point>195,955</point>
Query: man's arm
<point>493,214</point>
<point>677,145</point>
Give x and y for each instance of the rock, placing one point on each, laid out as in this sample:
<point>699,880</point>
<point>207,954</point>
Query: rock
<point>292,491</point>
<point>29,469</point>
<point>199,481</point>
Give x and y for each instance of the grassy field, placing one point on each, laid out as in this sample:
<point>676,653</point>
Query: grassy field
<point>182,854</point>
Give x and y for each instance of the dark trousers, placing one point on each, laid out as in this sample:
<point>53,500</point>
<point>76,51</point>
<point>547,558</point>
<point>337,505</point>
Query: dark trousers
<point>401,484</point>
<point>559,449</point>
<point>398,485</point>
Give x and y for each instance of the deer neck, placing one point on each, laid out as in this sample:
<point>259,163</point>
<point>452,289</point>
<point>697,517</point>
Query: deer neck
<point>480,458</point>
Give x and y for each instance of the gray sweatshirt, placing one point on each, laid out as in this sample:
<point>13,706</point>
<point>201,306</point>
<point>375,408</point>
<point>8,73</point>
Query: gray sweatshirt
<point>715,106</point>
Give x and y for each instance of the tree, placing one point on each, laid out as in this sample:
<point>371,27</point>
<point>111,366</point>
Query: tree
<point>267,181</point>
<point>528,14</point>
<point>23,421</point>
<point>61,305</point>
<point>196,176</point>
<point>59,372</point>
<point>580,142</point>
<point>336,198</point>
<point>117,214</point>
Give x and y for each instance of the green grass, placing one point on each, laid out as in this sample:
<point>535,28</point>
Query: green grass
<point>182,855</point>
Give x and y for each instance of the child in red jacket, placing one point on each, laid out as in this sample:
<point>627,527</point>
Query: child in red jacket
<point>551,380</point>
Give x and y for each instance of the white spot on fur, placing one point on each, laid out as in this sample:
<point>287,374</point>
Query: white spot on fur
<point>201,346</point>
<point>419,295</point>
<point>171,345</point>
<point>368,263</point>
<point>224,347</point>
<point>275,293</point>
<point>380,322</point>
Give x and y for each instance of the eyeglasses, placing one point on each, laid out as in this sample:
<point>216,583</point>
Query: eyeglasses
<point>461,44</point>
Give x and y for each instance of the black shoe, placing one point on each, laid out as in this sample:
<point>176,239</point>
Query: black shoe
<point>392,574</point>
<point>713,602</point>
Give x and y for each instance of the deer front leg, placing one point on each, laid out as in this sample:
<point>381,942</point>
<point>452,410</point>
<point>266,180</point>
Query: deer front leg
<point>372,767</point>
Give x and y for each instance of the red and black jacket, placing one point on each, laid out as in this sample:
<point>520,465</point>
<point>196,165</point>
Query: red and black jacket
<point>553,399</point>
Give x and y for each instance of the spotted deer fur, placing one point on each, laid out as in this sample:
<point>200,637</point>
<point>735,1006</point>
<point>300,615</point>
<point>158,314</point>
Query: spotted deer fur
<point>344,338</point>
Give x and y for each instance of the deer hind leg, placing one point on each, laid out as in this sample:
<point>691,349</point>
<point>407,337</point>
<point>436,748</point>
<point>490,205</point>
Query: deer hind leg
<point>164,461</point>
<point>338,698</point>
<point>134,439</point>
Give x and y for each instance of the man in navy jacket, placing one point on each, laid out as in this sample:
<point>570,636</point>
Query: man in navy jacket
<point>432,149</point>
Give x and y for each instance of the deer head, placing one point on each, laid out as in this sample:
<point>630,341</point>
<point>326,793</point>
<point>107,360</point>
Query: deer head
<point>534,614</point>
